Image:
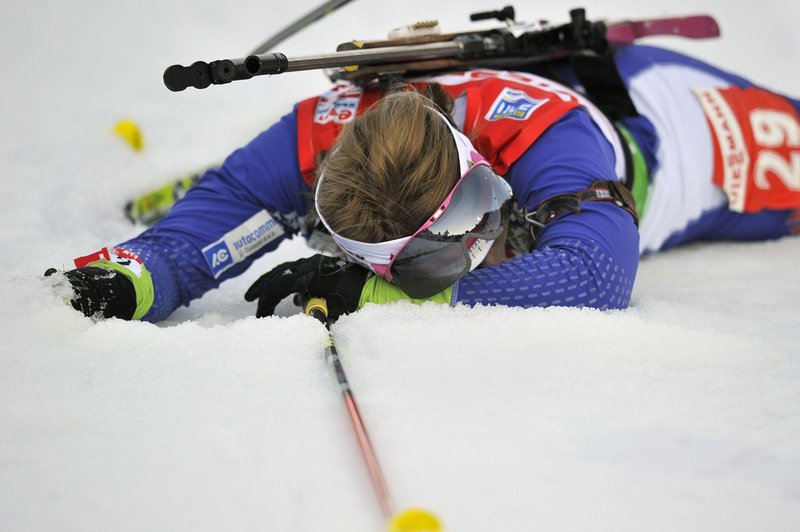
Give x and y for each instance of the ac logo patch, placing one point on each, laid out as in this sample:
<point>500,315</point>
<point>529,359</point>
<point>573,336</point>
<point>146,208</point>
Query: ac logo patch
<point>218,257</point>
<point>241,242</point>
<point>513,104</point>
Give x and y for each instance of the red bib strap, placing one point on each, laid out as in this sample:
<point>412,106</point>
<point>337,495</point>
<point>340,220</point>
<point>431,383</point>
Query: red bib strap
<point>505,113</point>
<point>504,118</point>
<point>320,120</point>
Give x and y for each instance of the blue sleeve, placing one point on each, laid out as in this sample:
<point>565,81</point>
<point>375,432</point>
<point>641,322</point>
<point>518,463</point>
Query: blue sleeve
<point>235,214</point>
<point>587,259</point>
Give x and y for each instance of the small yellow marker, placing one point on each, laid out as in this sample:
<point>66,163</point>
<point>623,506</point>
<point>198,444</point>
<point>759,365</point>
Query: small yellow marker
<point>353,68</point>
<point>130,132</point>
<point>415,520</point>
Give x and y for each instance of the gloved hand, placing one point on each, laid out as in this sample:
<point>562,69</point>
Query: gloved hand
<point>338,282</point>
<point>97,290</point>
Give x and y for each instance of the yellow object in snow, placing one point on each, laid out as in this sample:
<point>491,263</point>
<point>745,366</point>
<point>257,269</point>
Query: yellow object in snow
<point>129,130</point>
<point>415,520</point>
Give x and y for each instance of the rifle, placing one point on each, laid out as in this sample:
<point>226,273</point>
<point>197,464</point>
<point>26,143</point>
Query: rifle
<point>422,49</point>
<point>513,45</point>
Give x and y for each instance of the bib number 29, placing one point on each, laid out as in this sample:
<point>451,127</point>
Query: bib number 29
<point>779,134</point>
<point>756,139</point>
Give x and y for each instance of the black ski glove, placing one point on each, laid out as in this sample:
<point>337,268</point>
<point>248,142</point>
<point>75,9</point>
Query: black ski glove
<point>338,282</point>
<point>98,290</point>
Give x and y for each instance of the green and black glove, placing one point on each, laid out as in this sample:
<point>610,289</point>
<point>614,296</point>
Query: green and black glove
<point>340,283</point>
<point>100,292</point>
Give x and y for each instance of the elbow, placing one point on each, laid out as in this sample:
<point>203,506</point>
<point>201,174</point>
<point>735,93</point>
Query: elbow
<point>612,281</point>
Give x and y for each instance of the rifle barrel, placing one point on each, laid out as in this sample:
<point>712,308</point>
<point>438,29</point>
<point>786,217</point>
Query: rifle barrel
<point>267,64</point>
<point>201,74</point>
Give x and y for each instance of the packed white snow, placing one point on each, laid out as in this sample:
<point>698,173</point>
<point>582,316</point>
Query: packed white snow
<point>680,413</point>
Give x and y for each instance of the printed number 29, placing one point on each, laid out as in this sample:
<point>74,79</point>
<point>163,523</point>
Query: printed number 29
<point>774,129</point>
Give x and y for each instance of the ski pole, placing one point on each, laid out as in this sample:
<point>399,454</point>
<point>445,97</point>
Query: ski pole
<point>299,24</point>
<point>411,520</point>
<point>199,73</point>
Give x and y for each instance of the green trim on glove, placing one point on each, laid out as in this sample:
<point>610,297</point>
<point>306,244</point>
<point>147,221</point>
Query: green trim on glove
<point>379,290</point>
<point>142,284</point>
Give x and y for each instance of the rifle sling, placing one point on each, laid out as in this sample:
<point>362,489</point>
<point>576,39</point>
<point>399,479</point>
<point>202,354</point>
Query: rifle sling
<point>601,79</point>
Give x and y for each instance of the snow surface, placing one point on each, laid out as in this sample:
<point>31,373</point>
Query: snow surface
<point>680,413</point>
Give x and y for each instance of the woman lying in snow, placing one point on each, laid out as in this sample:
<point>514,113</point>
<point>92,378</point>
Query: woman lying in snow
<point>476,187</point>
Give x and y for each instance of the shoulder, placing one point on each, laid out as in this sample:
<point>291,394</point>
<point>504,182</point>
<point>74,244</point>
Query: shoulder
<point>568,157</point>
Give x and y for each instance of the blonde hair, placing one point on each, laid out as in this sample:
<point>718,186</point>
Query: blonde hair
<point>390,168</point>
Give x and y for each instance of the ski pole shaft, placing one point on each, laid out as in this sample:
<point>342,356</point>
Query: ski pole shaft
<point>299,24</point>
<point>201,74</point>
<point>317,308</point>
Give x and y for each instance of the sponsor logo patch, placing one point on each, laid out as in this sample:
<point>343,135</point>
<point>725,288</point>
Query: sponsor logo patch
<point>513,104</point>
<point>338,105</point>
<point>218,257</point>
<point>241,242</point>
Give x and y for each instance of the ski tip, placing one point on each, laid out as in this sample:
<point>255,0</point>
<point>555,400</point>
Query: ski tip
<point>690,27</point>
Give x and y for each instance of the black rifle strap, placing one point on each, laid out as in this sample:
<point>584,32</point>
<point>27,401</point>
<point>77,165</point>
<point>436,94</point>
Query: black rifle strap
<point>599,76</point>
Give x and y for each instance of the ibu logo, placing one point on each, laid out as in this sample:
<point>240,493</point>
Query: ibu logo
<point>218,257</point>
<point>513,104</point>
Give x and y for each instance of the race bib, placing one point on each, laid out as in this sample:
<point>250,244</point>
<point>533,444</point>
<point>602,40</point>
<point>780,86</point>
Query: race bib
<point>756,138</point>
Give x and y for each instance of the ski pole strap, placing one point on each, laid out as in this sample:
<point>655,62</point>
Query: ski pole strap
<point>601,190</point>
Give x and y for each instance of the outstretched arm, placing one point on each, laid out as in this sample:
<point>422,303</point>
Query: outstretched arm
<point>235,214</point>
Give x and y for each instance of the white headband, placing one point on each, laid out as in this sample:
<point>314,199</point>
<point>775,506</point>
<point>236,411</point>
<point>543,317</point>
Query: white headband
<point>381,253</point>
